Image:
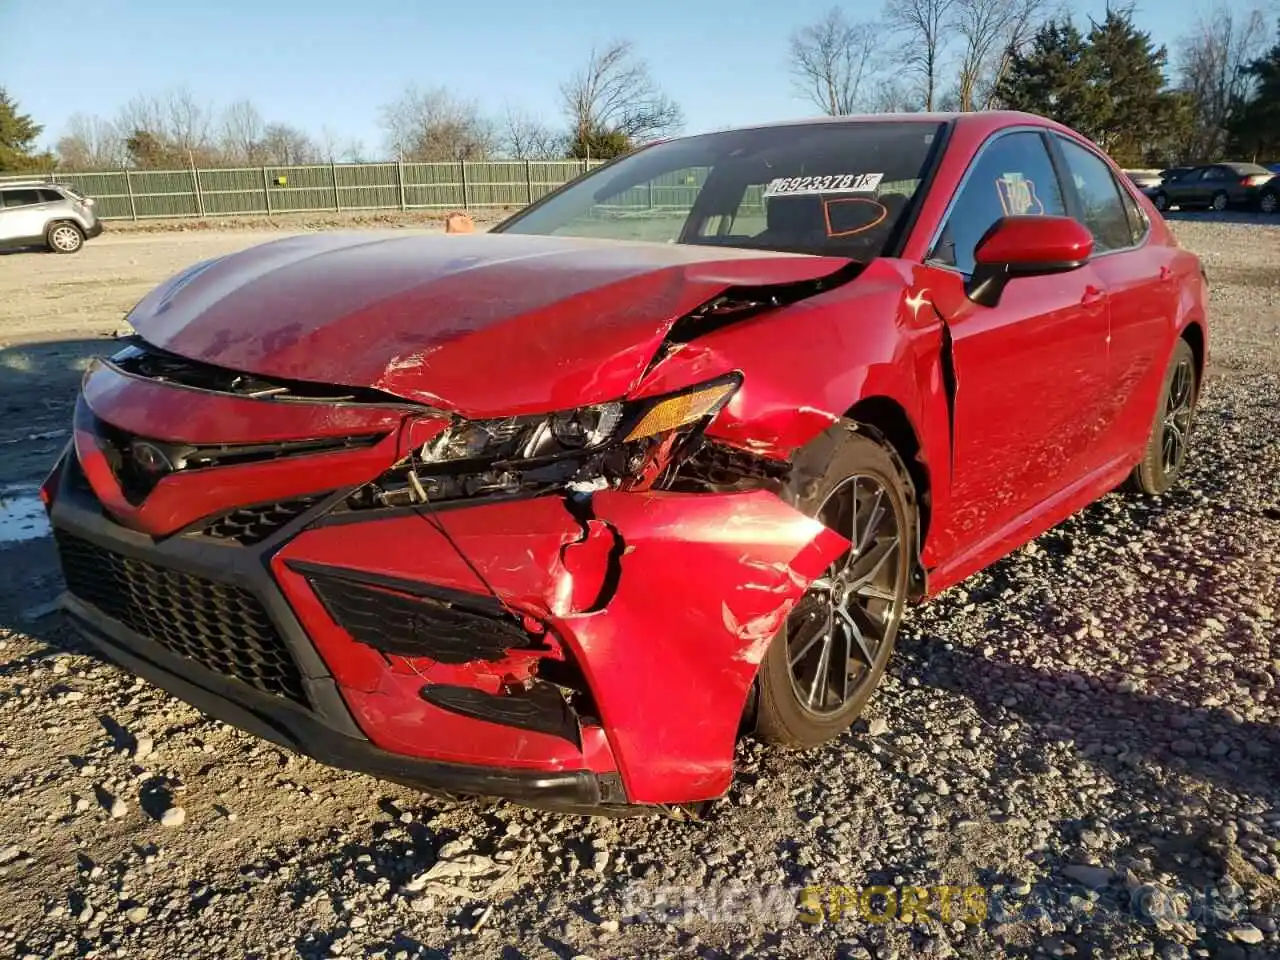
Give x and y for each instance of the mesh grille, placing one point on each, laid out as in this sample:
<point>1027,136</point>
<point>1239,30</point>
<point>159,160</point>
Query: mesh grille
<point>223,628</point>
<point>250,525</point>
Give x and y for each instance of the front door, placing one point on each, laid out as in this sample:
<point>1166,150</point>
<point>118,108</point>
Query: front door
<point>1031,371</point>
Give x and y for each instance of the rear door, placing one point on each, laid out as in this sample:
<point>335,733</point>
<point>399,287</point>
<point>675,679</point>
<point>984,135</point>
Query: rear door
<point>1029,371</point>
<point>1143,292</point>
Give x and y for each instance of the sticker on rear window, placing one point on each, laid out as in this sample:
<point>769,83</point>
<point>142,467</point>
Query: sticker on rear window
<point>836,183</point>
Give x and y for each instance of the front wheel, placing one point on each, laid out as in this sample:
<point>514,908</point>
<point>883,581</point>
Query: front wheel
<point>825,662</point>
<point>1161,201</point>
<point>1166,451</point>
<point>1269,202</point>
<point>64,238</point>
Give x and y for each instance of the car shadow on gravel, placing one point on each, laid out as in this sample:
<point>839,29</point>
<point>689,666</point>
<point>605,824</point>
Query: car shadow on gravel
<point>1171,764</point>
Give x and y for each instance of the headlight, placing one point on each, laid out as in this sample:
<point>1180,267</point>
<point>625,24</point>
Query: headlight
<point>566,432</point>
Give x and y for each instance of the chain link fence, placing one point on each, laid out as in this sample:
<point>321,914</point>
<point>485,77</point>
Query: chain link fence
<point>150,194</point>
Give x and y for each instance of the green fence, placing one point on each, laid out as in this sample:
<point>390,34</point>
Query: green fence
<point>147,194</point>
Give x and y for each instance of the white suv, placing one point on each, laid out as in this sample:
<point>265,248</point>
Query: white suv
<point>50,213</point>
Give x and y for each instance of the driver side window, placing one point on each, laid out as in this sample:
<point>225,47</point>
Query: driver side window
<point>1012,176</point>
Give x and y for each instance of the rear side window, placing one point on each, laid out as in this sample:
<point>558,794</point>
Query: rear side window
<point>21,198</point>
<point>1137,219</point>
<point>1103,211</point>
<point>51,196</point>
<point>1011,177</point>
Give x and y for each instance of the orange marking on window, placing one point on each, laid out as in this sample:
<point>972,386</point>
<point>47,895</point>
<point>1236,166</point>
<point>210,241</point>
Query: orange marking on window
<point>834,234</point>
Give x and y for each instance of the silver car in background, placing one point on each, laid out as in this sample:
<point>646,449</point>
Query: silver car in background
<point>34,212</point>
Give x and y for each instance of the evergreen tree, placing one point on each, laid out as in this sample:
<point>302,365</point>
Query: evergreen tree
<point>1139,115</point>
<point>1056,78</point>
<point>18,134</point>
<point>1255,132</point>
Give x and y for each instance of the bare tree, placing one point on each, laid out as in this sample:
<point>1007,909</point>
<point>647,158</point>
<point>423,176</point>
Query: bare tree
<point>434,124</point>
<point>284,144</point>
<point>90,143</point>
<point>525,137</point>
<point>1211,64</point>
<point>829,61</point>
<point>190,123</point>
<point>241,134</point>
<point>174,122</point>
<point>613,96</point>
<point>990,33</point>
<point>925,26</point>
<point>891,95</point>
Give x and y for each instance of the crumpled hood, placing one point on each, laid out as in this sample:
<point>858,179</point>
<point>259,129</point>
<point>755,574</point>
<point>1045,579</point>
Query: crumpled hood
<point>482,324</point>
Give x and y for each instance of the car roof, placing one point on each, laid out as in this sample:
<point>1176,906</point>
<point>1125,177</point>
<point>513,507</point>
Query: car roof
<point>981,121</point>
<point>27,184</point>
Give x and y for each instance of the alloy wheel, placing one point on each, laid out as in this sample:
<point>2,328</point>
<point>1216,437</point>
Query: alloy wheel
<point>1179,404</point>
<point>1220,202</point>
<point>841,625</point>
<point>65,238</point>
<point>1269,203</point>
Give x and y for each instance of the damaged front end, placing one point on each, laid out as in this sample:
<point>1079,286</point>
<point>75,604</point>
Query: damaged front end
<point>605,580</point>
<point>576,601</point>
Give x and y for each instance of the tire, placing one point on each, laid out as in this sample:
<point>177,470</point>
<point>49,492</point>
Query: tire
<point>1220,202</point>
<point>1161,466</point>
<point>64,237</point>
<point>1269,202</point>
<point>1161,201</point>
<point>856,469</point>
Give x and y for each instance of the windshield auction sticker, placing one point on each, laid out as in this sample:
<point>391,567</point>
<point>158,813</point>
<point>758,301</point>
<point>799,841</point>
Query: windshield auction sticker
<point>836,183</point>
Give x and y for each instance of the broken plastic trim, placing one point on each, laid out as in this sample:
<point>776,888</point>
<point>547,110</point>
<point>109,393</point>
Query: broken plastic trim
<point>138,358</point>
<point>743,302</point>
<point>718,468</point>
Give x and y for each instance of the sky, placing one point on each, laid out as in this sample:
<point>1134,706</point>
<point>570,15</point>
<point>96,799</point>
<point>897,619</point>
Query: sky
<point>334,63</point>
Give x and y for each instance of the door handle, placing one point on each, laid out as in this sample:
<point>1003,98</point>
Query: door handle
<point>1092,294</point>
<point>1165,272</point>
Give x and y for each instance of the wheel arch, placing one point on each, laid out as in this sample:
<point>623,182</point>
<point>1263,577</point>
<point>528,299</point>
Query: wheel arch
<point>63,221</point>
<point>1193,333</point>
<point>890,423</point>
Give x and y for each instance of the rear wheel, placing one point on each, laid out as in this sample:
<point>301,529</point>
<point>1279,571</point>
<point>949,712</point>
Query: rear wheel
<point>1167,447</point>
<point>1269,202</point>
<point>1161,201</point>
<point>64,238</point>
<point>1220,202</point>
<point>823,666</point>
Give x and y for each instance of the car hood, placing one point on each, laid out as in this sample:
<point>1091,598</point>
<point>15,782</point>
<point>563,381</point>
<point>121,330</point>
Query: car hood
<point>481,324</point>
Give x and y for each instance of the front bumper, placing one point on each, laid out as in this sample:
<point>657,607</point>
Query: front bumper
<point>317,723</point>
<point>94,230</point>
<point>404,644</point>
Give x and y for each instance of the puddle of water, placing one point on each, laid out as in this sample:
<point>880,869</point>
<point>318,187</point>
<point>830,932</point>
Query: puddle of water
<point>22,515</point>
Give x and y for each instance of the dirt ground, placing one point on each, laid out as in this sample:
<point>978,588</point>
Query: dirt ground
<point>1087,729</point>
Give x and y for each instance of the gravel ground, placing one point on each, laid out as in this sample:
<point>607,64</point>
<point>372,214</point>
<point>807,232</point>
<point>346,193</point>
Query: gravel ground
<point>1089,730</point>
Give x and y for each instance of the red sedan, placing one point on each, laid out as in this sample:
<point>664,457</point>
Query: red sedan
<point>560,511</point>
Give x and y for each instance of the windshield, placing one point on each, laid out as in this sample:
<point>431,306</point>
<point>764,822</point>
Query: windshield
<point>838,188</point>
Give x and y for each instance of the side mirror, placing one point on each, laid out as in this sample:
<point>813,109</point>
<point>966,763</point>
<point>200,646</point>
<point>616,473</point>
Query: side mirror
<point>1028,246</point>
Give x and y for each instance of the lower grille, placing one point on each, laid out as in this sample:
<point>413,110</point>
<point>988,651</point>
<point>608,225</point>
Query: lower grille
<point>221,627</point>
<point>415,626</point>
<point>250,525</point>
